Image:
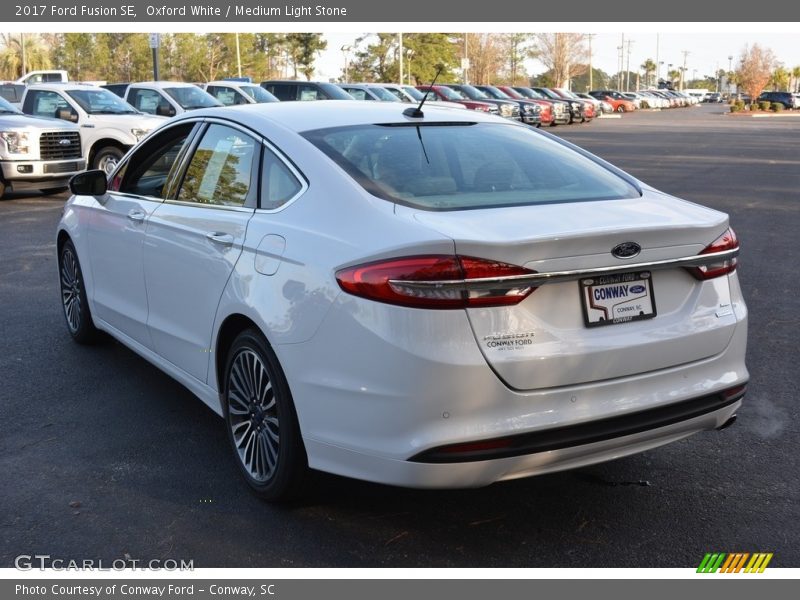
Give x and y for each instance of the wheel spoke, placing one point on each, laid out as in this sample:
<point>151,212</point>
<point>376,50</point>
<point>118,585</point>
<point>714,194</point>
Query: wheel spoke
<point>235,429</point>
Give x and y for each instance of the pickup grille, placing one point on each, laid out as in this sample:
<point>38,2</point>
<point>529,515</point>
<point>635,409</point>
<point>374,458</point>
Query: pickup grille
<point>53,147</point>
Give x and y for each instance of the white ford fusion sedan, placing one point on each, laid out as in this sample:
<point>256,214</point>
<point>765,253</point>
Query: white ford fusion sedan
<point>418,298</point>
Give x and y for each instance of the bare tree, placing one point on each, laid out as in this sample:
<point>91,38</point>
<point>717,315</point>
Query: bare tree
<point>518,50</point>
<point>486,57</point>
<point>755,69</point>
<point>564,54</point>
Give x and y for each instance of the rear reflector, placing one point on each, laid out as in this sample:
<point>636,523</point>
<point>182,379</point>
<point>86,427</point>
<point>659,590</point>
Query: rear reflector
<point>389,281</point>
<point>727,241</point>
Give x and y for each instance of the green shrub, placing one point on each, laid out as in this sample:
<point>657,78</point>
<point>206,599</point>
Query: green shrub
<point>777,106</point>
<point>764,105</point>
<point>645,104</point>
<point>735,108</point>
<point>740,104</point>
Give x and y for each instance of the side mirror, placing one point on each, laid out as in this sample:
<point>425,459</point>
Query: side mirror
<point>89,183</point>
<point>163,110</point>
<point>67,114</point>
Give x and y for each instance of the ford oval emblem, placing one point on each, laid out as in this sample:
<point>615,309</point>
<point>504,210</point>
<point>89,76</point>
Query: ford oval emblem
<point>637,289</point>
<point>626,250</point>
<point>65,142</point>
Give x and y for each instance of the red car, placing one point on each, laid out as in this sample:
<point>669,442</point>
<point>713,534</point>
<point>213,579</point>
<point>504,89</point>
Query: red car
<point>445,93</point>
<point>558,108</point>
<point>547,116</point>
<point>588,112</point>
<point>615,99</point>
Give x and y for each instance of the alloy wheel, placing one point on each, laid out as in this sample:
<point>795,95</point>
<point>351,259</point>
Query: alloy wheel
<point>71,289</point>
<point>253,416</point>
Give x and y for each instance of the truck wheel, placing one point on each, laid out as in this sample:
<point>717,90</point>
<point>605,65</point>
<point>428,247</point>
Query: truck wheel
<point>2,188</point>
<point>106,159</point>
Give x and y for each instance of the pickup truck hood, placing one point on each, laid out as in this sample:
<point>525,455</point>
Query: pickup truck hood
<point>29,122</point>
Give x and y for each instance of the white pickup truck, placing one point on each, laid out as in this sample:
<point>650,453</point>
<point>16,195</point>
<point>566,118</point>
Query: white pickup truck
<point>37,154</point>
<point>109,126</point>
<point>165,98</point>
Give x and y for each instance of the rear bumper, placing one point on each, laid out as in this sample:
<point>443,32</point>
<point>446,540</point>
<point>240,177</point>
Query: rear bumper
<point>482,473</point>
<point>403,385</point>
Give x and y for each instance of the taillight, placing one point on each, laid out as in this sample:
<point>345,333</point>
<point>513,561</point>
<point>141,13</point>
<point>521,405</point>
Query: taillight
<point>727,241</point>
<point>437,281</point>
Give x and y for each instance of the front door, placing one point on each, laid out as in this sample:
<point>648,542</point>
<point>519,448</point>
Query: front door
<point>193,243</point>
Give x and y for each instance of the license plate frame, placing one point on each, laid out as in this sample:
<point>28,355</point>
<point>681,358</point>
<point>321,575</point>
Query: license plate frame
<point>599,308</point>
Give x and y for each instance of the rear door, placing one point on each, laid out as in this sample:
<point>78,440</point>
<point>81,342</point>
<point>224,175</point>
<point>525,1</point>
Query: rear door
<point>194,240</point>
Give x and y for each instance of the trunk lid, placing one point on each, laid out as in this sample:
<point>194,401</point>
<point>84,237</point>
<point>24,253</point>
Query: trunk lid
<point>551,345</point>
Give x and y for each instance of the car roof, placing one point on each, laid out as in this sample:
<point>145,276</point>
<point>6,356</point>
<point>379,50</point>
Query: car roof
<point>164,84</point>
<point>306,116</point>
<point>65,85</point>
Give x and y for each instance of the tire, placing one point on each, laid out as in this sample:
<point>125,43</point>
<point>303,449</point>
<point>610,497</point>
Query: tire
<point>2,189</point>
<point>620,109</point>
<point>53,191</point>
<point>73,296</point>
<point>106,159</point>
<point>261,421</point>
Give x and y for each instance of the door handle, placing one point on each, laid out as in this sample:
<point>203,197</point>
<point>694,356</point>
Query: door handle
<point>223,239</point>
<point>137,216</point>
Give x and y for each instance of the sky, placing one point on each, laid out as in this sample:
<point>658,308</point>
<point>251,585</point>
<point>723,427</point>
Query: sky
<point>707,51</point>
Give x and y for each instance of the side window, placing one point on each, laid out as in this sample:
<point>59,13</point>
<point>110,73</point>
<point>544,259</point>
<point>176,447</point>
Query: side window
<point>45,104</point>
<point>278,183</point>
<point>283,91</point>
<point>153,164</point>
<point>147,101</point>
<point>228,96</point>
<point>358,94</point>
<point>221,169</point>
<point>309,92</point>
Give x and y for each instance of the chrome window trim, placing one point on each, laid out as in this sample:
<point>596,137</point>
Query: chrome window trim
<point>537,279</point>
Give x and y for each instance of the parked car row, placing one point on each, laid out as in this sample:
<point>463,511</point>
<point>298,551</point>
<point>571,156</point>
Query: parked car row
<point>105,121</point>
<point>630,101</point>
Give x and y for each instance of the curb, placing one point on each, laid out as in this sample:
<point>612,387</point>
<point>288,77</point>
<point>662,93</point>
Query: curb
<point>609,117</point>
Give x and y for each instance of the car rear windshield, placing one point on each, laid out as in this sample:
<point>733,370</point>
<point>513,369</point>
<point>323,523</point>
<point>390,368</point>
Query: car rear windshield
<point>458,166</point>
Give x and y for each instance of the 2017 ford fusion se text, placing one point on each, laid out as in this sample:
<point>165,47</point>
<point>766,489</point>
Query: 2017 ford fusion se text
<point>427,298</point>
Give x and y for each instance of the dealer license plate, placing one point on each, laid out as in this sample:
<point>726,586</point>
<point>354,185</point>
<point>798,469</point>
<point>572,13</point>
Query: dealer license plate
<point>612,299</point>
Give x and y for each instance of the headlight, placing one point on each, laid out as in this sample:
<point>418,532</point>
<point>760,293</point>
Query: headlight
<point>576,105</point>
<point>17,141</point>
<point>532,109</point>
<point>139,133</point>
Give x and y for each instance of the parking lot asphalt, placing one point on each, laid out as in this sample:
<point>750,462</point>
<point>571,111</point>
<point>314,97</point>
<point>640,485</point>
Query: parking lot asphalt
<point>103,456</point>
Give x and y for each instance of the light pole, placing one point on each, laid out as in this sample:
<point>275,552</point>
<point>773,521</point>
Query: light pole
<point>346,51</point>
<point>658,73</point>
<point>400,55</point>
<point>730,72</point>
